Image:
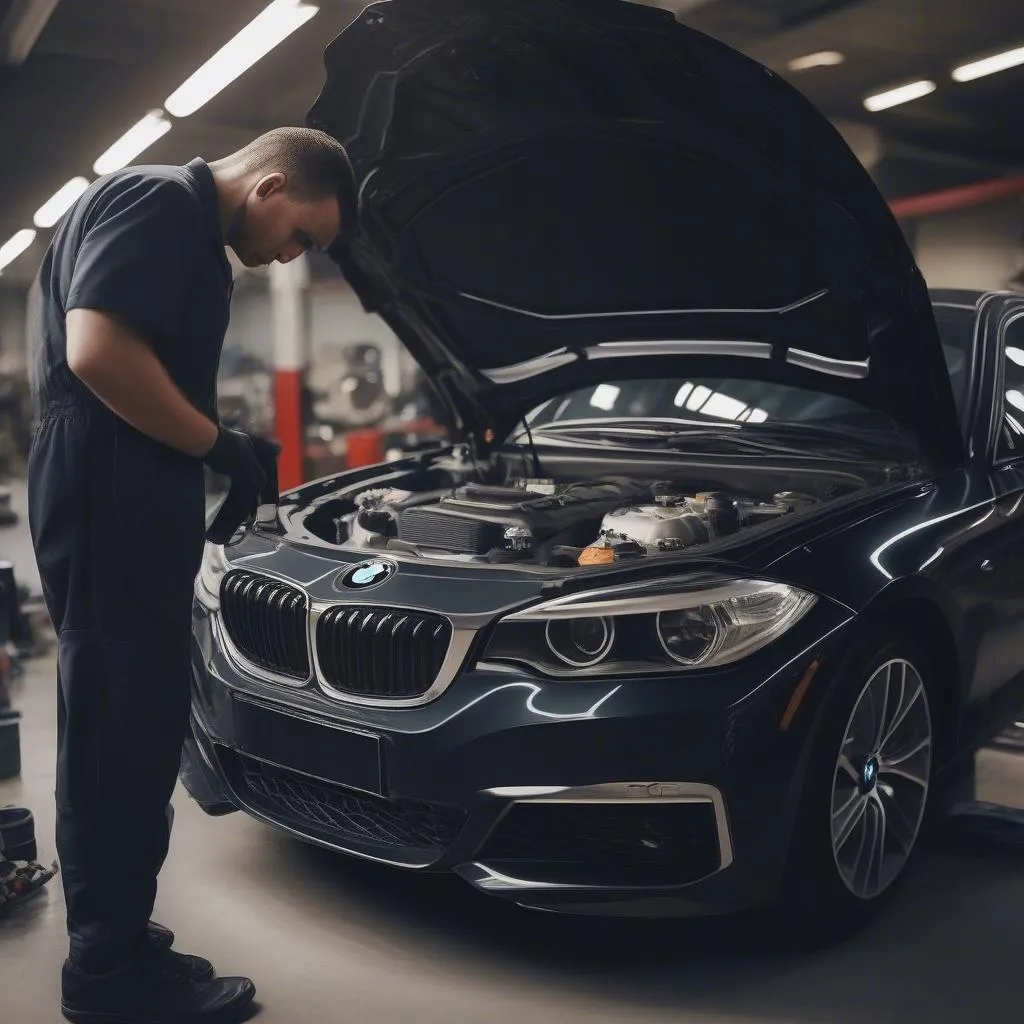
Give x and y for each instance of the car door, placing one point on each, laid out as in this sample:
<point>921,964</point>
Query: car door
<point>1000,409</point>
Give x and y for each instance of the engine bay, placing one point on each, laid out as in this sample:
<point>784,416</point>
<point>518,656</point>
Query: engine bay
<point>548,522</point>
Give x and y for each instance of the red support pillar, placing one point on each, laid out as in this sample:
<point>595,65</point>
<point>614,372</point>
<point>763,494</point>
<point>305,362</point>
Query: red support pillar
<point>288,427</point>
<point>289,292</point>
<point>959,198</point>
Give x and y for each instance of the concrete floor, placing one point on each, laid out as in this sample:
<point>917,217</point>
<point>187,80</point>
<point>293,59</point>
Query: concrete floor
<point>331,939</point>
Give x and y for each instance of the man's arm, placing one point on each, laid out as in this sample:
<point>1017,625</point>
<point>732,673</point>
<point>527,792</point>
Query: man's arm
<point>126,375</point>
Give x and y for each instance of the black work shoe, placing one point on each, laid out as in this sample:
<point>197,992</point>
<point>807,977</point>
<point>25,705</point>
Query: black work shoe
<point>151,990</point>
<point>159,936</point>
<point>194,967</point>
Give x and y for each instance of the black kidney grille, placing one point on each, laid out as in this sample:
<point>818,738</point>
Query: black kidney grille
<point>381,652</point>
<point>266,621</point>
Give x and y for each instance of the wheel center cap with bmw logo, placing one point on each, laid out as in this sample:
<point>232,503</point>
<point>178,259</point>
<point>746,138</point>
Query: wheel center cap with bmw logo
<point>368,574</point>
<point>869,775</point>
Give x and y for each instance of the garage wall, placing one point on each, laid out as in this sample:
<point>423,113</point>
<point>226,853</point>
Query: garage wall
<point>12,329</point>
<point>979,247</point>
<point>336,320</point>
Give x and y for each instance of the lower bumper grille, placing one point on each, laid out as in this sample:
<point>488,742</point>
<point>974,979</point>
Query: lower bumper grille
<point>407,829</point>
<point>608,844</point>
<point>381,652</point>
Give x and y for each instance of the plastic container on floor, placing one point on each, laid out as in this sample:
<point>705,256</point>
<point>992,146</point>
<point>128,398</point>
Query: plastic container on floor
<point>17,834</point>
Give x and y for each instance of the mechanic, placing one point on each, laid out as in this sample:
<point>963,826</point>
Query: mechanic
<point>132,300</point>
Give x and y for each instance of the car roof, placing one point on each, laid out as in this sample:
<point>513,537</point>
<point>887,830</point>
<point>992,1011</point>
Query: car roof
<point>956,296</point>
<point>968,298</point>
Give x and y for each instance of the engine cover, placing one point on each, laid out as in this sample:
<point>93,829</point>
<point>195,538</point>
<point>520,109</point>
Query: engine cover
<point>477,519</point>
<point>656,527</point>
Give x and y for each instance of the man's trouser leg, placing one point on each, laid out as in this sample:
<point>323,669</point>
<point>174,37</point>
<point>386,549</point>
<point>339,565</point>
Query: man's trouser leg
<point>117,542</point>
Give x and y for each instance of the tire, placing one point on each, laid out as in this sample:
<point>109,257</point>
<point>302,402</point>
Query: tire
<point>858,781</point>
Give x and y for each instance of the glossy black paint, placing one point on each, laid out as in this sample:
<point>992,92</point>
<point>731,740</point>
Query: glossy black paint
<point>940,557</point>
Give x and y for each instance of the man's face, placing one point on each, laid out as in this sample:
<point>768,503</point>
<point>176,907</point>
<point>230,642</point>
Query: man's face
<point>275,224</point>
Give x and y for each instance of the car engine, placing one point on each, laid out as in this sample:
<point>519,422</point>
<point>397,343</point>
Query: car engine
<point>548,523</point>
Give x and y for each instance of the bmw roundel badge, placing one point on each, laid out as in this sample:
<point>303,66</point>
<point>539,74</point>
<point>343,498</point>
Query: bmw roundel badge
<point>368,574</point>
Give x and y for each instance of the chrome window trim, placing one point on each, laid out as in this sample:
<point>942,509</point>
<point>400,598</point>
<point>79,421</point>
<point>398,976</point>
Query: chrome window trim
<point>1000,458</point>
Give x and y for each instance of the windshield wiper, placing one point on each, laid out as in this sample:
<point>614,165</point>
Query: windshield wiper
<point>757,438</point>
<point>787,428</point>
<point>740,441</point>
<point>675,439</point>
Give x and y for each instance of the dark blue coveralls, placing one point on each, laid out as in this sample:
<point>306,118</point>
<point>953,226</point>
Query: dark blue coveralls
<point>117,523</point>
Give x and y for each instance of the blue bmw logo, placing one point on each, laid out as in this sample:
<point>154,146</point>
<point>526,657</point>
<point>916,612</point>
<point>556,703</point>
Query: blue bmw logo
<point>368,574</point>
<point>869,776</point>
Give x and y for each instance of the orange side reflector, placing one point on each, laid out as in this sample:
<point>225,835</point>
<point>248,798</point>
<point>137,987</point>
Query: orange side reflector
<point>798,695</point>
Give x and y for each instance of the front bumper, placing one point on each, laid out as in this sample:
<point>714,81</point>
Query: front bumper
<point>644,797</point>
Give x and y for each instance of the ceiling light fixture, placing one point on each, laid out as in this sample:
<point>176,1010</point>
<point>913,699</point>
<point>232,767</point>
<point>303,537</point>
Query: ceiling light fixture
<point>15,246</point>
<point>821,59</point>
<point>894,97</point>
<point>989,65</point>
<point>258,38</point>
<point>59,203</point>
<point>136,140</point>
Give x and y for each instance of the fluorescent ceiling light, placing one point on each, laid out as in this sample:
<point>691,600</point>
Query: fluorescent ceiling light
<point>821,59</point>
<point>256,40</point>
<point>15,246</point>
<point>60,202</point>
<point>904,94</point>
<point>989,65</point>
<point>136,140</point>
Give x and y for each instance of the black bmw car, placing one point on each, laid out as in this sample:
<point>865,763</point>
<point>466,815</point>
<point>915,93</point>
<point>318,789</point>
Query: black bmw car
<point>723,567</point>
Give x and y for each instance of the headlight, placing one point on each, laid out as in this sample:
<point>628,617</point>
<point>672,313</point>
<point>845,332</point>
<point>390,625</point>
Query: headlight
<point>581,642</point>
<point>652,627</point>
<point>211,572</point>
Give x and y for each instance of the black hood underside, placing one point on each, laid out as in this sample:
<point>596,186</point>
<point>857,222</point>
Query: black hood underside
<point>560,192</point>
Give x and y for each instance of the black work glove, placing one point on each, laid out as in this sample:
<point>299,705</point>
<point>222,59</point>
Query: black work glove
<point>234,456</point>
<point>242,459</point>
<point>267,452</point>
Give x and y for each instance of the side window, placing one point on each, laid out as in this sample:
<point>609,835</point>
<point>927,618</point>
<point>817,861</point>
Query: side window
<point>1011,436</point>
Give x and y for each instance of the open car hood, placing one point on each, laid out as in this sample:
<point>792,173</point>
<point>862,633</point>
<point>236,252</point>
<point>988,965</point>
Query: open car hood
<point>560,192</point>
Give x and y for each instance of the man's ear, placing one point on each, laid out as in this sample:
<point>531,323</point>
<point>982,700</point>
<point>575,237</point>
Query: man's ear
<point>269,184</point>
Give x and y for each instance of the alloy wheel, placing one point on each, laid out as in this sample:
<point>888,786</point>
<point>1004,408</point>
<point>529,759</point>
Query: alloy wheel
<point>880,787</point>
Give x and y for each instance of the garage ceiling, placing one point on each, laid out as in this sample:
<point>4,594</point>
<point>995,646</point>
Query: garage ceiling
<point>959,133</point>
<point>100,65</point>
<point>94,67</point>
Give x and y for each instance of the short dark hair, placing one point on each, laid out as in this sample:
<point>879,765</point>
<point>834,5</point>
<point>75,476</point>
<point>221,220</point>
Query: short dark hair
<point>316,164</point>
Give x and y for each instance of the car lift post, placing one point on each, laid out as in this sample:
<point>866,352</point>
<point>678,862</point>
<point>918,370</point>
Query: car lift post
<point>289,294</point>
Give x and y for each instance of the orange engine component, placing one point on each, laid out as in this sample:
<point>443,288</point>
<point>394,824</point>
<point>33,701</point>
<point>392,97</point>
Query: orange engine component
<point>597,554</point>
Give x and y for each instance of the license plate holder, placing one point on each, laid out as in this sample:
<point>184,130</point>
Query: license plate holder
<point>310,745</point>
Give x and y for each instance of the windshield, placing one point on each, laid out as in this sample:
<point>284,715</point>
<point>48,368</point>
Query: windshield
<point>710,401</point>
